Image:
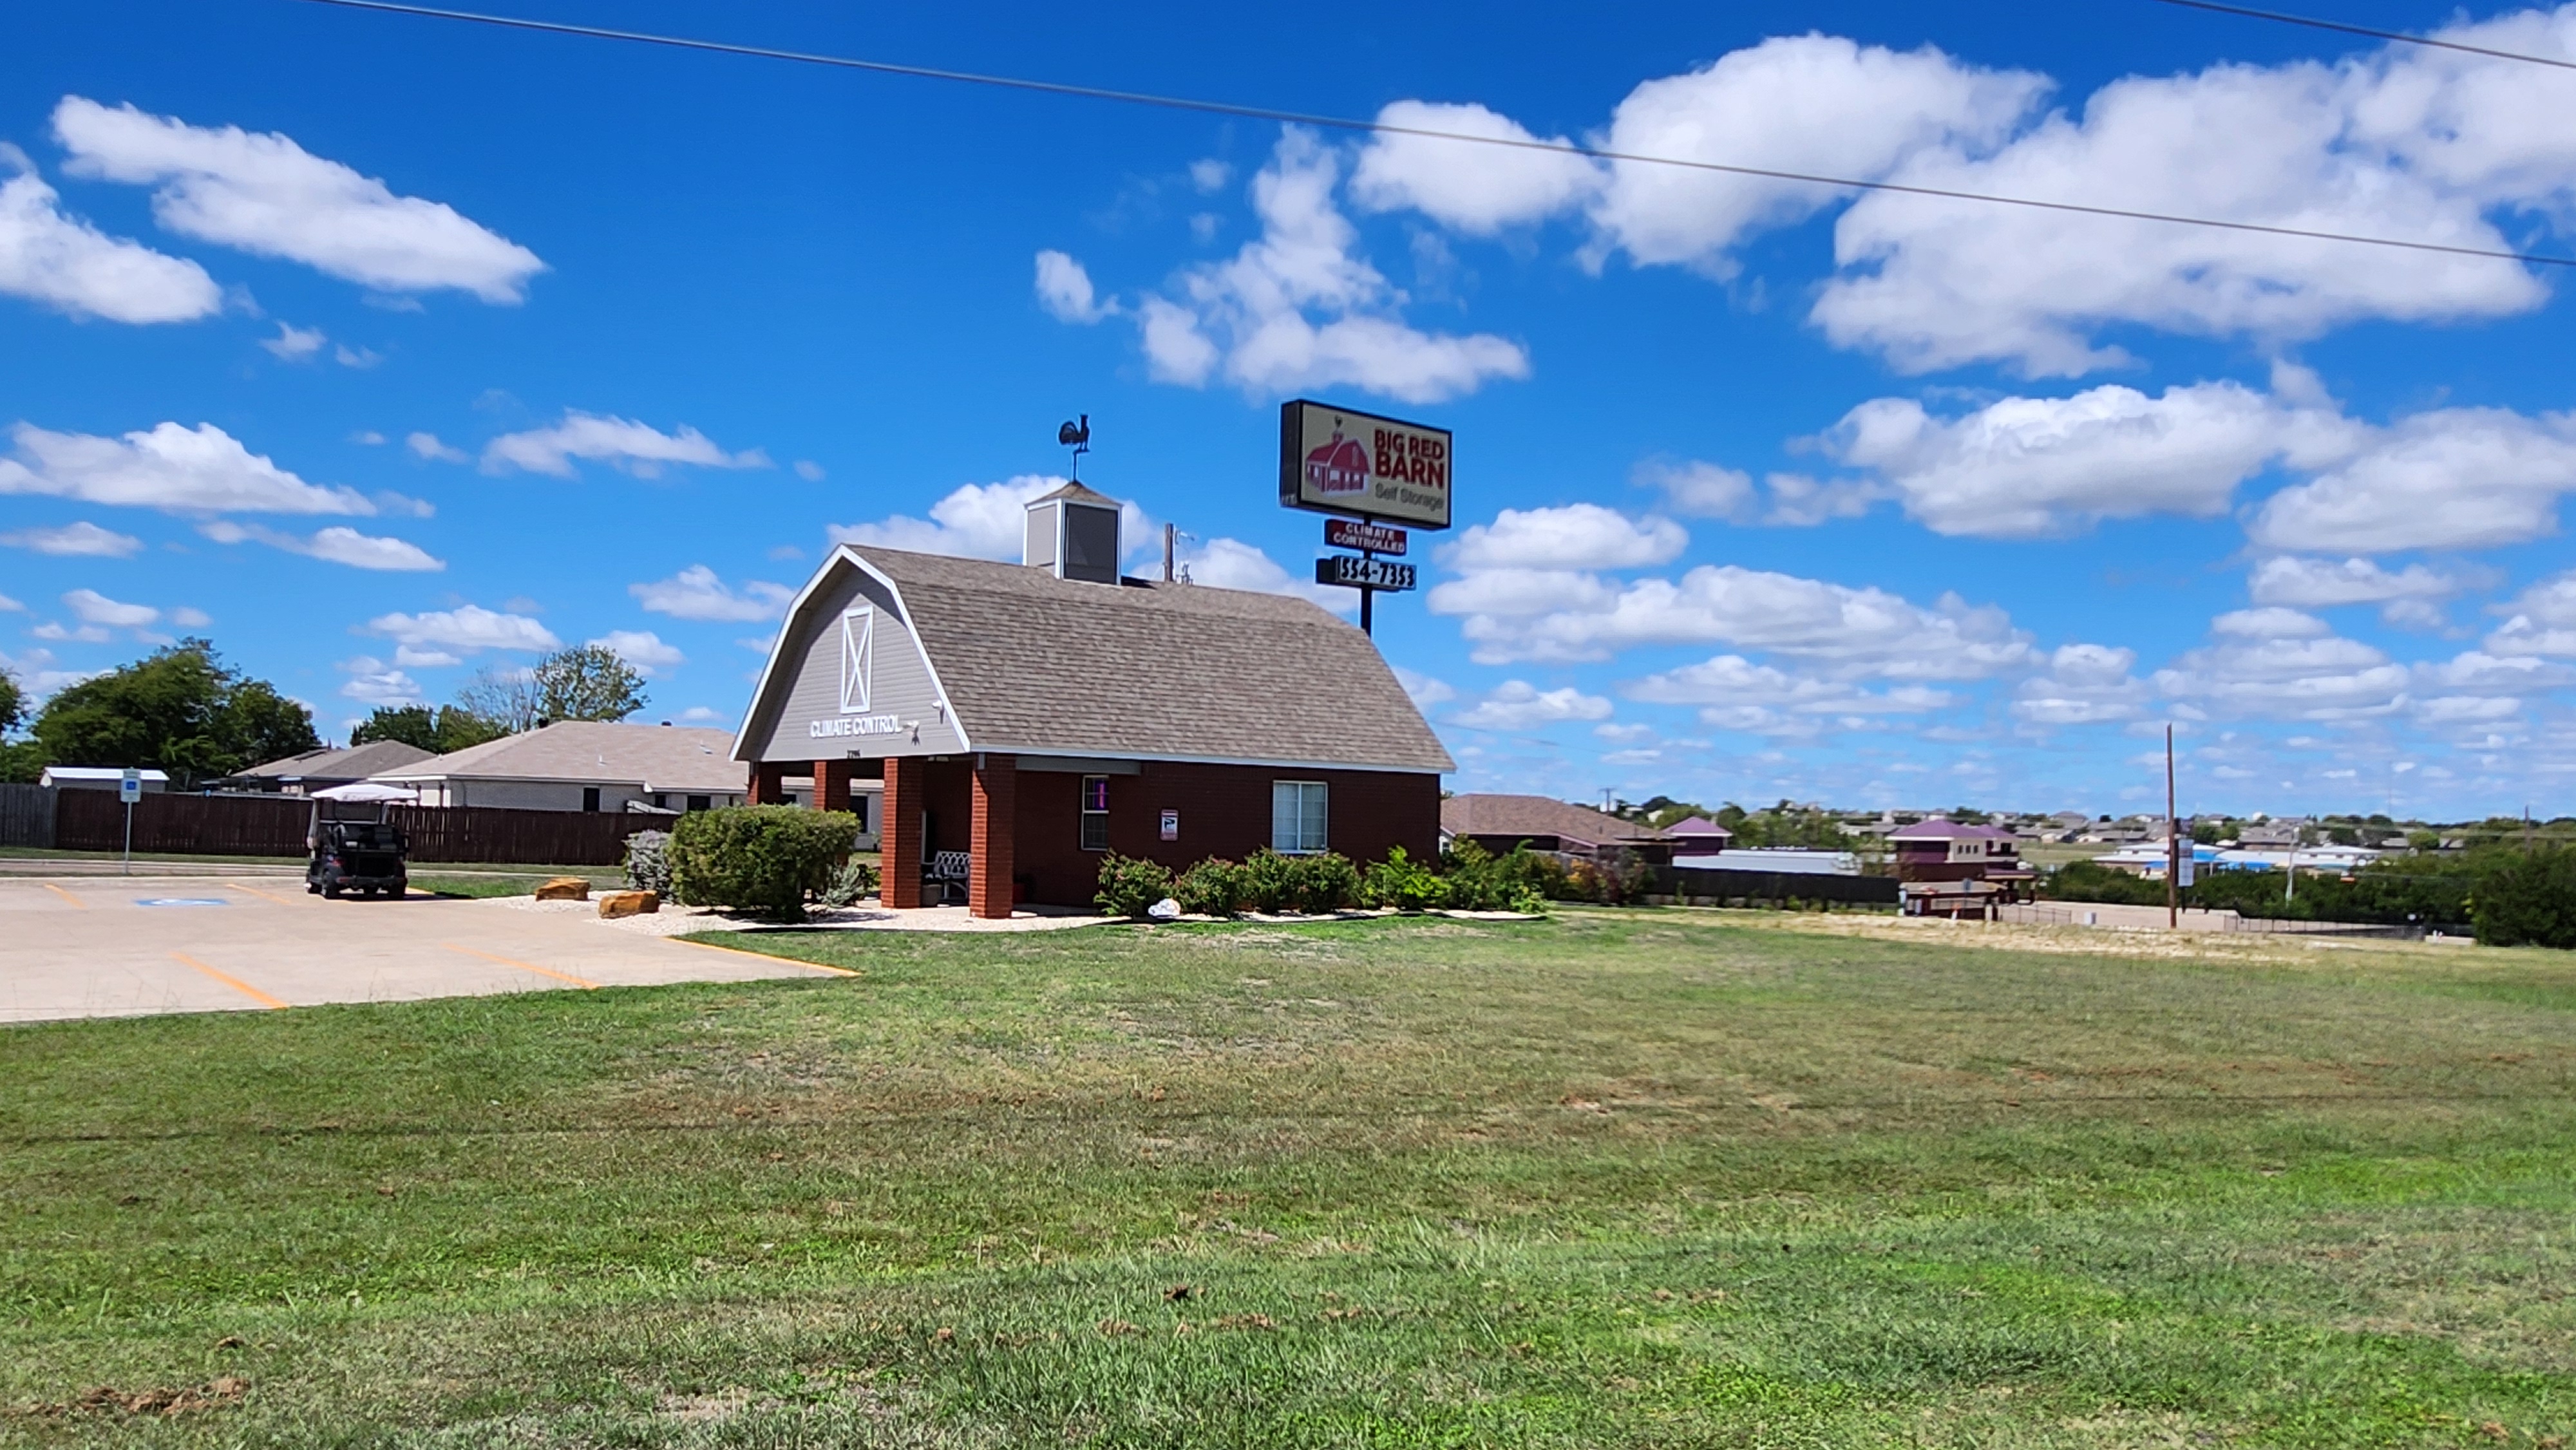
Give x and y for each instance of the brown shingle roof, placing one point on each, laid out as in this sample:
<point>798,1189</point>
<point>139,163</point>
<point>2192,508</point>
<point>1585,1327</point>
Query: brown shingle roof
<point>656,757</point>
<point>1531,816</point>
<point>1173,671</point>
<point>355,763</point>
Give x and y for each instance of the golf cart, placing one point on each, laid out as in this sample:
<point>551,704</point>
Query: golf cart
<point>355,845</point>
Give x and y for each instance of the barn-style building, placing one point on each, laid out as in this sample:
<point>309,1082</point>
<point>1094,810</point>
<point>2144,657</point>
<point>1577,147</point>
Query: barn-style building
<point>1025,719</point>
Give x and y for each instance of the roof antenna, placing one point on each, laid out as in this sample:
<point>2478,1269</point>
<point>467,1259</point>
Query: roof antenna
<point>1076,436</point>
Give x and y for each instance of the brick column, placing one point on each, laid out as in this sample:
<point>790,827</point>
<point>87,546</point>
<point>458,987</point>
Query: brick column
<point>768,782</point>
<point>995,820</point>
<point>832,785</point>
<point>899,834</point>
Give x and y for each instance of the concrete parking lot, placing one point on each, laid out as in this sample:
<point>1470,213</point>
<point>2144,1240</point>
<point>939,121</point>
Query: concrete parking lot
<point>87,946</point>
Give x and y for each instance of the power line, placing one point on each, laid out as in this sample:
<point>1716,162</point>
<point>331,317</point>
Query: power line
<point>1346,123</point>
<point>2313,23</point>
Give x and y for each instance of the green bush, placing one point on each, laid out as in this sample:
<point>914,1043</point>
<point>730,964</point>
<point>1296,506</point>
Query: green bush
<point>1130,885</point>
<point>648,862</point>
<point>1213,887</point>
<point>1401,882</point>
<point>2530,901</point>
<point>1270,881</point>
<point>758,858</point>
<point>1479,880</point>
<point>855,879</point>
<point>1326,882</point>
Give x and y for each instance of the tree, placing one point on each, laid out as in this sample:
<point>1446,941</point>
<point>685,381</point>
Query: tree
<point>448,728</point>
<point>179,709</point>
<point>13,703</point>
<point>587,682</point>
<point>506,698</point>
<point>22,762</point>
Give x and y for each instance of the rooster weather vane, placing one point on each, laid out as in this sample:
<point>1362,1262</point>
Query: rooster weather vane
<point>1076,436</point>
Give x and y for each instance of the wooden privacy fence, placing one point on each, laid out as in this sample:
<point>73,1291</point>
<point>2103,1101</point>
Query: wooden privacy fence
<point>1685,884</point>
<point>218,825</point>
<point>26,816</point>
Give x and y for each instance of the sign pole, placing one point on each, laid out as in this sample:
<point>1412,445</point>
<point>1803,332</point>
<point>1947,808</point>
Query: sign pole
<point>1368,596</point>
<point>2173,845</point>
<point>129,787</point>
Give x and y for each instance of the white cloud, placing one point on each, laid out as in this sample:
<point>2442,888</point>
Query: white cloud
<point>2028,467</point>
<point>2542,620</point>
<point>11,606</point>
<point>467,629</point>
<point>38,677</point>
<point>1700,490</point>
<point>1064,290</point>
<point>2086,684</point>
<point>65,263</point>
<point>1849,631</point>
<point>808,470</point>
<point>1813,103</point>
<point>360,358</point>
<point>367,438</point>
<point>1624,734</point>
<point>373,682</point>
<point>2281,664</point>
<point>1234,564</point>
<point>2455,478</point>
<point>427,448</point>
<point>338,544</point>
<point>1738,694</point>
<point>1209,175</point>
<point>635,448</point>
<point>643,649</point>
<point>292,343</point>
<point>187,618</point>
<point>1466,186</point>
<point>974,521</point>
<point>696,593</point>
<point>91,607</point>
<point>424,659</point>
<point>1520,705</point>
<point>1573,536</point>
<point>268,196</point>
<point>175,469</point>
<point>2303,583</point>
<point>702,715</point>
<point>84,634</point>
<point>1298,310</point>
<point>1423,690</point>
<point>83,538</point>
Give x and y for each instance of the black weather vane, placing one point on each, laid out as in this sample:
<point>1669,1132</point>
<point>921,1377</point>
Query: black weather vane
<point>1076,436</point>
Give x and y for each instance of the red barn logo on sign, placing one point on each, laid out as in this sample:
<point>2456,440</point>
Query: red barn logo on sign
<point>1341,466</point>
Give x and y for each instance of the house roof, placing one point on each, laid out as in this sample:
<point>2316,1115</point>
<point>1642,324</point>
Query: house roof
<point>101,772</point>
<point>1537,815</point>
<point>1699,826</point>
<point>1078,494</point>
<point>357,762</point>
<point>656,757</point>
<point>1940,828</point>
<point>1033,663</point>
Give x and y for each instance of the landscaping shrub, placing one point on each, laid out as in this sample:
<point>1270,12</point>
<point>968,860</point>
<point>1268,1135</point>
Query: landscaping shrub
<point>854,880</point>
<point>648,862</point>
<point>1612,879</point>
<point>1213,887</point>
<point>1401,882</point>
<point>1270,881</point>
<point>1326,881</point>
<point>758,858</point>
<point>2529,901</point>
<point>1130,885</point>
<point>1479,880</point>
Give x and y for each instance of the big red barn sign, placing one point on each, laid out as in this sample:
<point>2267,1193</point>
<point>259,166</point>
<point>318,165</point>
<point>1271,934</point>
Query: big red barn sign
<point>1336,461</point>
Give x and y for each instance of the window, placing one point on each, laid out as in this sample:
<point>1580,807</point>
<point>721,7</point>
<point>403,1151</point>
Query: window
<point>1095,813</point>
<point>859,808</point>
<point>699,802</point>
<point>1296,816</point>
<point>590,798</point>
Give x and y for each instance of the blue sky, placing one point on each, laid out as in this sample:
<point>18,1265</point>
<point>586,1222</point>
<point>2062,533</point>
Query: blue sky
<point>382,349</point>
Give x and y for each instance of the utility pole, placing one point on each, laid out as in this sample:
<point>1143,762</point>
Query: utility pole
<point>2173,845</point>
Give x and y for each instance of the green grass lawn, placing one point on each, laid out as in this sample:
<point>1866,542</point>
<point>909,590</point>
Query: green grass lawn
<point>1651,1178</point>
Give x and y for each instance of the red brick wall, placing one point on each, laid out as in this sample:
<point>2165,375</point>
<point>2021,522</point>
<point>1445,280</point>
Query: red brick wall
<point>1225,811</point>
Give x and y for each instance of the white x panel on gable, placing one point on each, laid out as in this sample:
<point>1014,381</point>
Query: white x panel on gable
<point>858,658</point>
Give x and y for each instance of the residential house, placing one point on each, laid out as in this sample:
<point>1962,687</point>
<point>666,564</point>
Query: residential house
<point>584,765</point>
<point>1500,822</point>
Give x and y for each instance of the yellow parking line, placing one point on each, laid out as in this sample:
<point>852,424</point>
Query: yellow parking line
<point>65,895</point>
<point>236,983</point>
<point>255,891</point>
<point>523,966</point>
<point>765,957</point>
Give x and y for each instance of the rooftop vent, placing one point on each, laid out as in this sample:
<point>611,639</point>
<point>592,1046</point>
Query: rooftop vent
<point>1073,534</point>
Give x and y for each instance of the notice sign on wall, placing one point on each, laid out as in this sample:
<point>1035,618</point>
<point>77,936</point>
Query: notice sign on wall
<point>1171,825</point>
<point>1336,461</point>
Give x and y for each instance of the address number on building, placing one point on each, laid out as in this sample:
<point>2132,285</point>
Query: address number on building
<point>1353,573</point>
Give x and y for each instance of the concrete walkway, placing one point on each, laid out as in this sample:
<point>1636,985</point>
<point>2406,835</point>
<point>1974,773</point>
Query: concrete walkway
<point>83,946</point>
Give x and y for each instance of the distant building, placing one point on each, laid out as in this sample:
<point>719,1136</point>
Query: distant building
<point>584,765</point>
<point>321,769</point>
<point>1500,822</point>
<point>1696,837</point>
<point>2283,832</point>
<point>1945,850</point>
<point>1784,860</point>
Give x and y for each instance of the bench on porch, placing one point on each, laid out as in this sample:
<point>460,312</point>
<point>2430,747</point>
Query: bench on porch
<point>944,877</point>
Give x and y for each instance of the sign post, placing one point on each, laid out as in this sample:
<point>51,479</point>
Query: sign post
<point>129,789</point>
<point>1380,474</point>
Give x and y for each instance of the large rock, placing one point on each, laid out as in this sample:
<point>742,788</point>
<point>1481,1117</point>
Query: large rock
<point>628,903</point>
<point>565,888</point>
